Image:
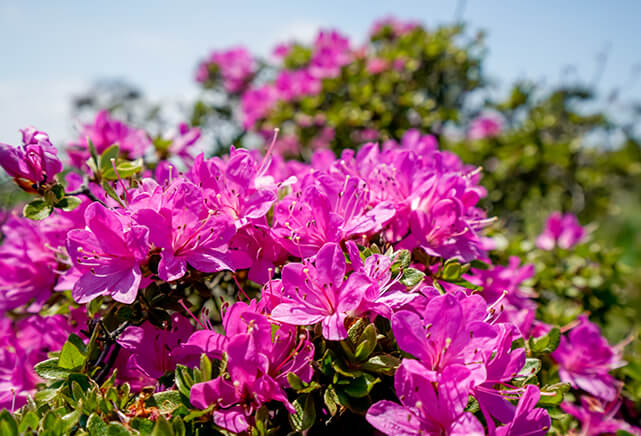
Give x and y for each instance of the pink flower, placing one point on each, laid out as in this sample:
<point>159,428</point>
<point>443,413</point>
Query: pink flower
<point>105,132</point>
<point>319,293</point>
<point>585,359</point>
<point>528,420</point>
<point>151,350</point>
<point>108,254</point>
<point>394,26</point>
<point>187,231</point>
<point>431,403</point>
<point>257,365</point>
<point>33,164</point>
<point>451,330</point>
<point>376,65</point>
<point>597,418</point>
<point>256,104</point>
<point>485,126</point>
<point>236,67</point>
<point>560,230</point>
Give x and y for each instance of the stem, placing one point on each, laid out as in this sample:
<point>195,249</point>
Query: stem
<point>85,191</point>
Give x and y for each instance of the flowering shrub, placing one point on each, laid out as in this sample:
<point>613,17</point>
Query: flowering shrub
<point>152,290</point>
<point>252,294</point>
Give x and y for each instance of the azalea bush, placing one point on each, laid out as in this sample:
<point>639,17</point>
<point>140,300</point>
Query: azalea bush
<point>345,276</point>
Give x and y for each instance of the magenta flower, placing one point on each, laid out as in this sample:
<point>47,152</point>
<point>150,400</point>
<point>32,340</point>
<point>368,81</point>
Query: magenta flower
<point>320,293</point>
<point>187,232</point>
<point>528,421</point>
<point>109,254</point>
<point>257,366</point>
<point>28,260</point>
<point>385,294</point>
<point>25,343</point>
<point>292,85</point>
<point>105,132</point>
<point>394,25</point>
<point>450,331</point>
<point>485,126</point>
<point>329,209</point>
<point>236,187</point>
<point>431,403</point>
<point>152,350</point>
<point>256,104</point>
<point>585,359</point>
<point>376,65</point>
<point>597,418</point>
<point>184,139</point>
<point>235,66</point>
<point>33,164</point>
<point>503,366</point>
<point>560,230</point>
<point>17,379</point>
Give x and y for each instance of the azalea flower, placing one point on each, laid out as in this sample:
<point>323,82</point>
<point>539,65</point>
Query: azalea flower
<point>108,254</point>
<point>34,163</point>
<point>320,293</point>
<point>585,359</point>
<point>560,230</point>
<point>432,403</point>
<point>257,366</point>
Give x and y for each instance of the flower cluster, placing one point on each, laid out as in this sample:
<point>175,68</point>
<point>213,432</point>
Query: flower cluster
<point>329,53</point>
<point>234,66</point>
<point>359,270</point>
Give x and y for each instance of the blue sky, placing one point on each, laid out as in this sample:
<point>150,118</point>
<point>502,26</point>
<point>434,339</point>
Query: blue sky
<point>51,50</point>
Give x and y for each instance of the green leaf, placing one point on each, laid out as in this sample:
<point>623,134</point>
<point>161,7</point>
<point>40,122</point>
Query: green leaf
<point>367,343</point>
<point>37,210</point>
<point>361,386</point>
<point>331,400</point>
<point>125,169</point>
<point>557,389</point>
<point>162,428</point>
<point>58,192</point>
<point>530,369</point>
<point>382,364</point>
<point>70,420</point>
<point>92,151</point>
<point>29,421</point>
<point>168,401</point>
<point>105,158</point>
<point>294,381</point>
<point>72,354</point>
<point>547,343</point>
<point>184,380</point>
<point>50,370</point>
<point>205,368</point>
<point>179,426</point>
<point>412,277</point>
<point>477,264</point>
<point>8,424</point>
<point>305,415</point>
<point>116,429</point>
<point>144,426</point>
<point>69,203</point>
<point>96,426</point>
<point>355,331</point>
<point>111,192</point>
<point>94,306</point>
<point>401,261</point>
<point>451,271</point>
